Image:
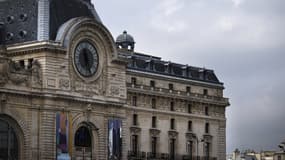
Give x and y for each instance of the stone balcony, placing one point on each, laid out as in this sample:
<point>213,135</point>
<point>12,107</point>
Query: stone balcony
<point>132,155</point>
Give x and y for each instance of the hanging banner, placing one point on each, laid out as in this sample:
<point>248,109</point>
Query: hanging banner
<point>62,137</point>
<point>115,139</point>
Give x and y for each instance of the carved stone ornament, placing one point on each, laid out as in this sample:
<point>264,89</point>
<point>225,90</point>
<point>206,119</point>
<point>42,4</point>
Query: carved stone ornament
<point>12,72</point>
<point>135,130</point>
<point>172,134</point>
<point>4,65</point>
<point>190,135</point>
<point>115,91</point>
<point>208,137</point>
<point>86,89</point>
<point>18,79</point>
<point>36,73</point>
<point>64,84</point>
<point>154,132</point>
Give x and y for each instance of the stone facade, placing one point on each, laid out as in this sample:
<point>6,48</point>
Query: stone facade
<point>39,80</point>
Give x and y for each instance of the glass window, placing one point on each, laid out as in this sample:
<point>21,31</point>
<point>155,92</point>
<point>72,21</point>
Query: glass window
<point>189,148</point>
<point>170,86</point>
<point>172,149</point>
<point>171,106</point>
<point>188,89</point>
<point>207,128</point>
<point>8,141</point>
<point>153,103</point>
<point>135,119</point>
<point>83,137</point>
<point>189,108</point>
<point>205,92</point>
<point>153,145</point>
<point>152,84</point>
<point>135,143</point>
<point>207,111</point>
<point>189,125</point>
<point>153,122</point>
<point>207,151</point>
<point>172,124</point>
<point>134,101</point>
<point>134,81</point>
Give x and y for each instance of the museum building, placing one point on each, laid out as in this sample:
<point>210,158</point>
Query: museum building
<point>70,91</point>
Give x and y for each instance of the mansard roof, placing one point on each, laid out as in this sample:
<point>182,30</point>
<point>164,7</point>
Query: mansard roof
<point>36,20</point>
<point>152,64</point>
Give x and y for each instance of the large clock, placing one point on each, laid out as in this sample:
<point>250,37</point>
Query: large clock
<point>86,59</point>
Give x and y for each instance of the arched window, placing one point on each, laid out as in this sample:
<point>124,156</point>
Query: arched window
<point>8,141</point>
<point>83,137</point>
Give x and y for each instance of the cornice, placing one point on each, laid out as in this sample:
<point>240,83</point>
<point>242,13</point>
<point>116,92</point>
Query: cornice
<point>34,47</point>
<point>174,79</point>
<point>223,102</point>
<point>68,97</point>
<point>171,113</point>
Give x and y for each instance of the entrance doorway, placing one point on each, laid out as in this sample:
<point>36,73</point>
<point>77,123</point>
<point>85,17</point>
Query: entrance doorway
<point>8,142</point>
<point>83,144</point>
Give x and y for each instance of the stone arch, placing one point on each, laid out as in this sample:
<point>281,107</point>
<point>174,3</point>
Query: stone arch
<point>71,28</point>
<point>97,134</point>
<point>20,130</point>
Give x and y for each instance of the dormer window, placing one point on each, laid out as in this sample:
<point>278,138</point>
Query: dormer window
<point>134,81</point>
<point>205,92</point>
<point>188,89</point>
<point>206,111</point>
<point>152,84</point>
<point>170,86</point>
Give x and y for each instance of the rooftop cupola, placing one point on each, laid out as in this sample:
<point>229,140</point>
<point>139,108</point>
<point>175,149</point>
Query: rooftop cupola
<point>125,41</point>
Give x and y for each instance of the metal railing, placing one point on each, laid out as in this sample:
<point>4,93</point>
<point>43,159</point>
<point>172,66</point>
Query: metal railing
<point>175,92</point>
<point>132,155</point>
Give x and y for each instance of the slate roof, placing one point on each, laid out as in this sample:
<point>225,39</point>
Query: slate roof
<point>153,64</point>
<point>27,20</point>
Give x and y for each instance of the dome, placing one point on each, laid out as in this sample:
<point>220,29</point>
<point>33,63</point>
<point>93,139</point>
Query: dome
<point>125,37</point>
<point>125,41</point>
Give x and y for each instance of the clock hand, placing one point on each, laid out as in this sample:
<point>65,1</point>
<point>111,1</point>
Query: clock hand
<point>86,59</point>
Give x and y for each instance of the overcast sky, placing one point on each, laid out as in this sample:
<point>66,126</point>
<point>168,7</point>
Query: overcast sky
<point>242,40</point>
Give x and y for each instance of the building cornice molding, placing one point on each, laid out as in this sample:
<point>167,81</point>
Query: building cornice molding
<point>181,97</point>
<point>171,113</point>
<point>174,79</point>
<point>35,47</point>
<point>51,95</point>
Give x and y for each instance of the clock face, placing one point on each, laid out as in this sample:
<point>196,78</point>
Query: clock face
<point>86,59</point>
